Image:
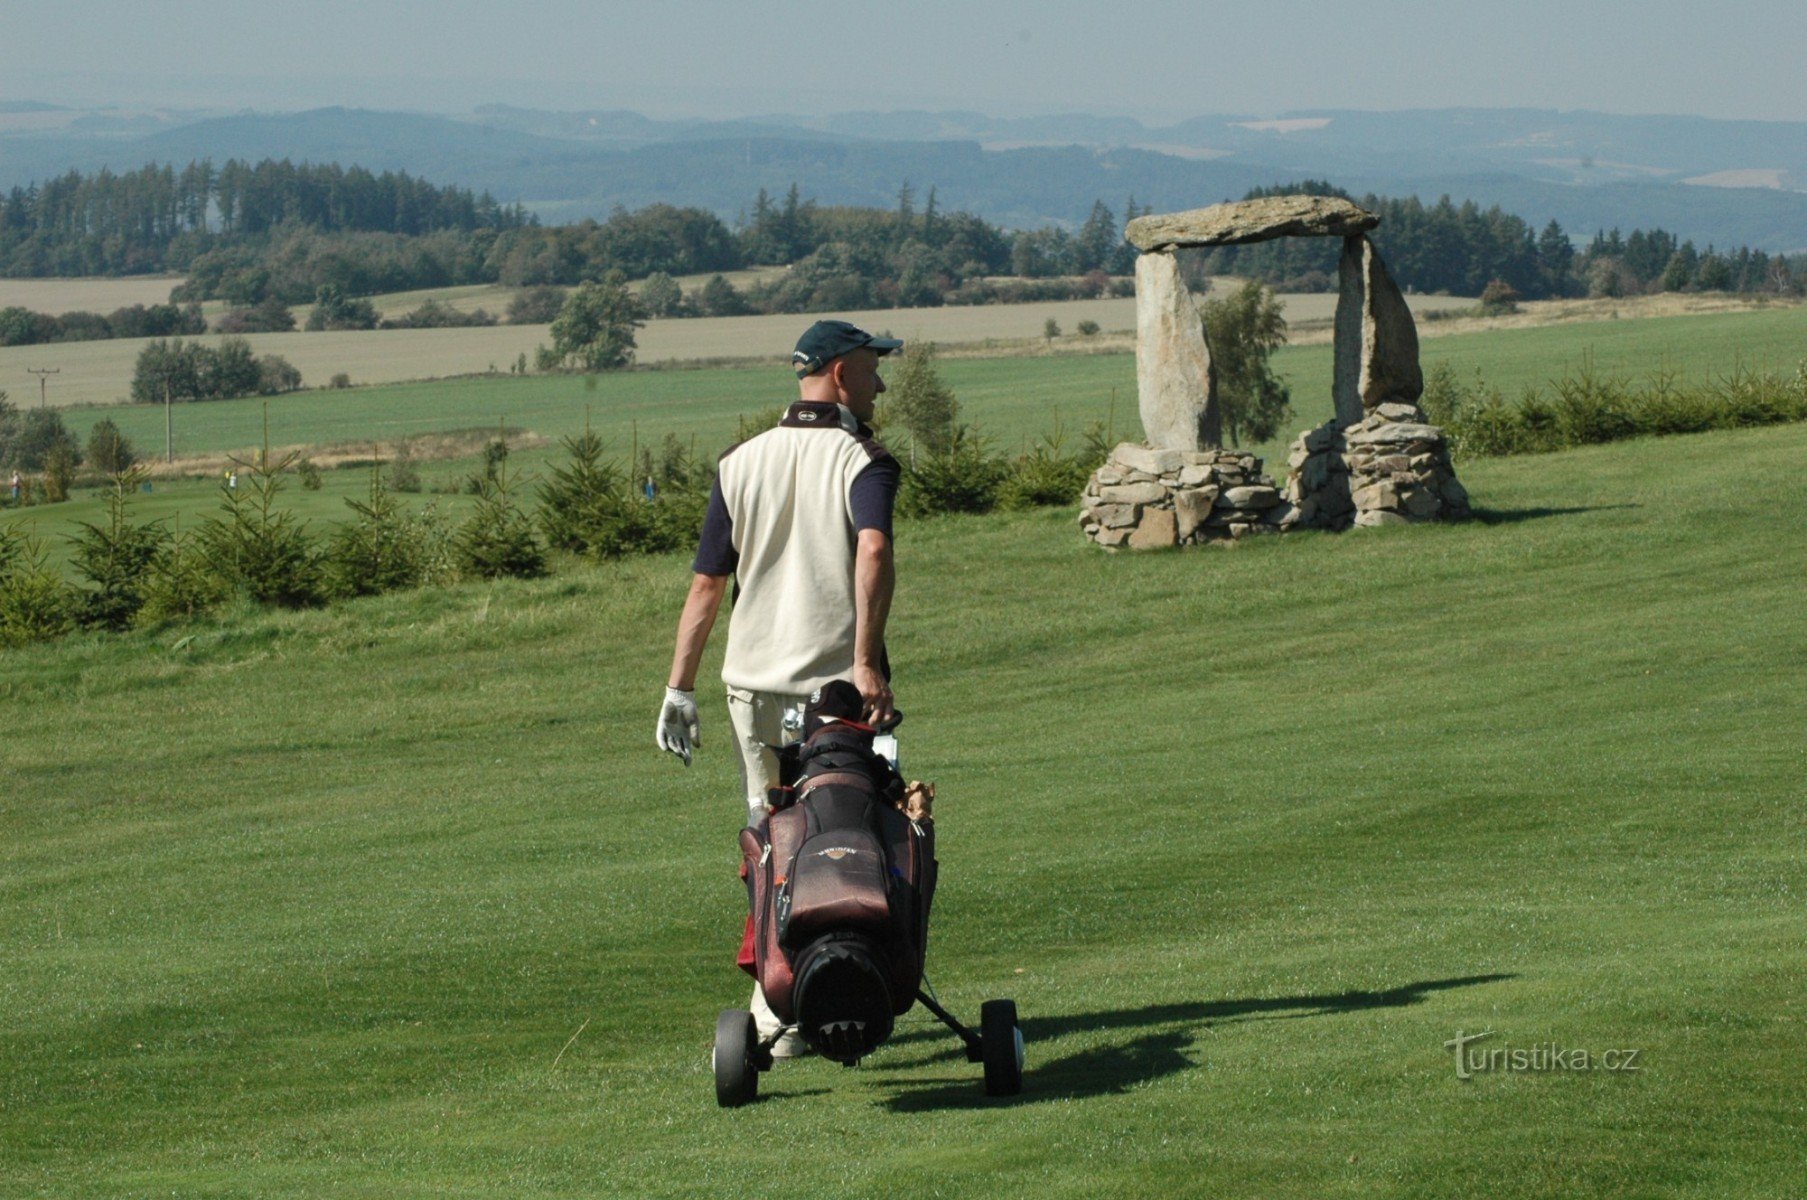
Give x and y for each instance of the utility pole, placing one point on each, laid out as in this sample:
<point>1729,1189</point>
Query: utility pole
<point>41,372</point>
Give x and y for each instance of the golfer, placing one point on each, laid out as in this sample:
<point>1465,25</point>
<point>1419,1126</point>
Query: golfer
<point>800,519</point>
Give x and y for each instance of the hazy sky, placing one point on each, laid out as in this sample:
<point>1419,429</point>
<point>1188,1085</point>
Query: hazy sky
<point>1155,60</point>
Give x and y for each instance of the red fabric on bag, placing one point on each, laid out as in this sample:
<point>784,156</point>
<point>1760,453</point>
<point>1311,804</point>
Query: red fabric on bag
<point>746,960</point>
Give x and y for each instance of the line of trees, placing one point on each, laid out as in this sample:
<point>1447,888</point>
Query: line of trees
<point>159,218</point>
<point>23,327</point>
<point>1461,248</point>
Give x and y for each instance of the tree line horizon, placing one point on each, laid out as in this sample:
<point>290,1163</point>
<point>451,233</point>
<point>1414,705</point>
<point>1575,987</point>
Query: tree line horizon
<point>249,233</point>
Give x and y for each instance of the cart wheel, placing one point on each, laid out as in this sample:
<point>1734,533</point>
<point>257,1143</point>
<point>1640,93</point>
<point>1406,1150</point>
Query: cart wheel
<point>1002,1044</point>
<point>736,1079</point>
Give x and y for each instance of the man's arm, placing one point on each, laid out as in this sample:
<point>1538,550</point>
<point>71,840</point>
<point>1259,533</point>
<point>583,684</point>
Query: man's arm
<point>700,608</point>
<point>874,579</point>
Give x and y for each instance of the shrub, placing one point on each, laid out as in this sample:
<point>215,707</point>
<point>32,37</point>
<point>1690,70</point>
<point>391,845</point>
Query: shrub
<point>309,474</point>
<point>378,550</point>
<point>59,472</point>
<point>116,558</point>
<point>333,309</point>
<point>591,508</point>
<point>340,381</point>
<point>108,449</point>
<point>964,478</point>
<point>276,375</point>
<point>269,315</point>
<point>498,539</point>
<point>1046,475</point>
<point>1498,298</point>
<point>1087,328</point>
<point>917,399</point>
<point>404,476</point>
<point>35,605</point>
<point>180,583</point>
<point>40,432</point>
<point>258,550</point>
<point>536,305</point>
<point>437,314</point>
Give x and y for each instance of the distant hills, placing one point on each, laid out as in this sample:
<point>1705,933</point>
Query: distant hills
<point>1723,182</point>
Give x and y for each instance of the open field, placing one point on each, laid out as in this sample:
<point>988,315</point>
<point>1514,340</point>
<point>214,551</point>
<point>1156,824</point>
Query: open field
<point>100,294</point>
<point>1013,400</point>
<point>395,899</point>
<point>101,372</point>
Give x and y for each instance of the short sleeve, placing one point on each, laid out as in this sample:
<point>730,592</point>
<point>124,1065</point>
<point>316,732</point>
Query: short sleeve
<point>715,552</point>
<point>873,495</point>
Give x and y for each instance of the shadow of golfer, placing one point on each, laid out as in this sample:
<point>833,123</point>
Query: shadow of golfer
<point>1110,1069</point>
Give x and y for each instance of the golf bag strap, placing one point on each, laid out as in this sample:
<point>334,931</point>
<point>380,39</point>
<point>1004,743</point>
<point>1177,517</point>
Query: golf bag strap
<point>859,779</point>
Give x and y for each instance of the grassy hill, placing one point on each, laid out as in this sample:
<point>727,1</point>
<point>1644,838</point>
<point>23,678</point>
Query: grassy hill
<point>396,899</point>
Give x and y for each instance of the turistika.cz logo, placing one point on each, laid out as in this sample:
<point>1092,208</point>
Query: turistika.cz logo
<point>1538,1058</point>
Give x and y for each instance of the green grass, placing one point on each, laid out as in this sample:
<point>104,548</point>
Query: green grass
<point>1014,400</point>
<point>396,899</point>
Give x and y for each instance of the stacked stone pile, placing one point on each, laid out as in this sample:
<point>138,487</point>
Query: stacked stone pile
<point>1143,498</point>
<point>1389,468</point>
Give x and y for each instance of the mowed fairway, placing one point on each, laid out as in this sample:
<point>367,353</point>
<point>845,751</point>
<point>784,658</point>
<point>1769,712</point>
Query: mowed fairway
<point>396,899</point>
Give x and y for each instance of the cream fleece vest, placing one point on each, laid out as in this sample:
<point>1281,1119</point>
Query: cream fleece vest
<point>787,491</point>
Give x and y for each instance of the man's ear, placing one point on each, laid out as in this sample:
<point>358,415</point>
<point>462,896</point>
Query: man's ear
<point>837,373</point>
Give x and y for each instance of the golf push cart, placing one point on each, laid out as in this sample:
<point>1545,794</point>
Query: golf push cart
<point>839,883</point>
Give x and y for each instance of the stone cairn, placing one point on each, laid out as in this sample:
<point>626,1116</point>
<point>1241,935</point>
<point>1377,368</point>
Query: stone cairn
<point>1146,498</point>
<point>1377,462</point>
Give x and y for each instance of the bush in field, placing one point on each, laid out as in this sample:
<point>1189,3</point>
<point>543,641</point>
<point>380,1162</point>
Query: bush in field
<point>29,438</point>
<point>963,478</point>
<point>381,549</point>
<point>258,550</point>
<point>591,508</point>
<point>269,315</point>
<point>536,305</point>
<point>35,605</point>
<point>437,314</point>
<point>116,558</point>
<point>59,472</point>
<point>276,375</point>
<point>662,296</point>
<point>108,449</point>
<point>333,309</point>
<point>917,399</point>
<point>594,331</point>
<point>340,381</point>
<point>308,471</point>
<point>498,539</point>
<point>1498,298</point>
<point>404,476</point>
<point>1046,475</point>
<point>180,583</point>
<point>1587,409</point>
<point>1243,330</point>
<point>719,298</point>
<point>1087,328</point>
<point>190,371</point>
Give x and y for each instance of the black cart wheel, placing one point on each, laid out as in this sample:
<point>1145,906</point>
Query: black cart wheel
<point>736,1079</point>
<point>1002,1044</point>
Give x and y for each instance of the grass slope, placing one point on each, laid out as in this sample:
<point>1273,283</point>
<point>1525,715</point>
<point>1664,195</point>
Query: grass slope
<point>396,899</point>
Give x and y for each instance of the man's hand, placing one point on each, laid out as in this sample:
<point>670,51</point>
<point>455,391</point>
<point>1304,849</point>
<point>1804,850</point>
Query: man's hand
<point>679,730</point>
<point>876,693</point>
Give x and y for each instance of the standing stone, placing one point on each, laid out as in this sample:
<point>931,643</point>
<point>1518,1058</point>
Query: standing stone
<point>1175,386</point>
<point>1376,339</point>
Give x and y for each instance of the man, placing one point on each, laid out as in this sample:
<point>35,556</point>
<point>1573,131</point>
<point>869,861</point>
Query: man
<point>800,518</point>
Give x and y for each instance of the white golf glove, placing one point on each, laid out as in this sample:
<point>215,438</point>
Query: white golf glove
<point>679,731</point>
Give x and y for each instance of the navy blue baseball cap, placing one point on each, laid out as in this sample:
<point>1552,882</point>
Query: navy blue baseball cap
<point>826,341</point>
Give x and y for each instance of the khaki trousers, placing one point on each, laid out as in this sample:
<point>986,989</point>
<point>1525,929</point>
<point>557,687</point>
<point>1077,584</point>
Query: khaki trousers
<point>758,721</point>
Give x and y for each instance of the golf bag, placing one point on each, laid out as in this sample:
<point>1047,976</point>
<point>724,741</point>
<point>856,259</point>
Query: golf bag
<point>839,884</point>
